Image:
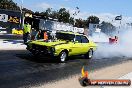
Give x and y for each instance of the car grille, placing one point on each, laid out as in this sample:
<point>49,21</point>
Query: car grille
<point>40,48</point>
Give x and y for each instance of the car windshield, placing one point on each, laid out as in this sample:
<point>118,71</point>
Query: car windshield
<point>64,36</point>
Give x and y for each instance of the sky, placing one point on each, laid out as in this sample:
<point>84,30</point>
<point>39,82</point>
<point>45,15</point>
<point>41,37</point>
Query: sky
<point>107,8</point>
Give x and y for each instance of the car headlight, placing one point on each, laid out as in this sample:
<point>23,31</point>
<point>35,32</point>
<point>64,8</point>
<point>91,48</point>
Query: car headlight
<point>52,49</point>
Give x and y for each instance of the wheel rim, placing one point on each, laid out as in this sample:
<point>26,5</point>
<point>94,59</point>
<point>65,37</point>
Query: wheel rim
<point>90,53</point>
<point>63,56</point>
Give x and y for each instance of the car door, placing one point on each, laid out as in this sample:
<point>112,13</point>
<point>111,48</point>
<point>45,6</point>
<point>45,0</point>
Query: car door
<point>76,48</point>
<point>85,44</point>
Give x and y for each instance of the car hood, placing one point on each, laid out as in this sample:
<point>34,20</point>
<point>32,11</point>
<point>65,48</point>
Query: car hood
<point>49,43</point>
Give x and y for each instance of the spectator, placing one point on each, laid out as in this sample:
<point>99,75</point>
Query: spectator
<point>26,32</point>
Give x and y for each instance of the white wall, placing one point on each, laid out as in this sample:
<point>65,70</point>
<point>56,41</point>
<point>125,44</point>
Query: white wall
<point>59,26</point>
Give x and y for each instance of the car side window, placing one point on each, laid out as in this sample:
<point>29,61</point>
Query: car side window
<point>78,38</point>
<point>84,39</point>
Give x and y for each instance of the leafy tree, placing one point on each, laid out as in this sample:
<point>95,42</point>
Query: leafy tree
<point>63,15</point>
<point>37,13</point>
<point>71,20</point>
<point>93,19</point>
<point>107,28</point>
<point>46,14</point>
<point>9,5</point>
<point>54,15</point>
<point>27,10</point>
<point>80,23</point>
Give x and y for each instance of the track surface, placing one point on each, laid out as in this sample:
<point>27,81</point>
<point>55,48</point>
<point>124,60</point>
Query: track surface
<point>18,68</point>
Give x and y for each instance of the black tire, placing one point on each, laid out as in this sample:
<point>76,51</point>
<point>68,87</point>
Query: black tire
<point>84,82</point>
<point>89,54</point>
<point>63,56</point>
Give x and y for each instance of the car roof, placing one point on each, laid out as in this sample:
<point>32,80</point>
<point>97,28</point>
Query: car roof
<point>74,33</point>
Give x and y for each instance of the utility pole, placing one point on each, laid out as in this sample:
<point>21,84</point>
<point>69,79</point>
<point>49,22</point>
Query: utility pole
<point>119,18</point>
<point>22,17</point>
<point>75,14</point>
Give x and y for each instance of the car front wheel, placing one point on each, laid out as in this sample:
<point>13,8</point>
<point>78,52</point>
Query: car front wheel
<point>63,56</point>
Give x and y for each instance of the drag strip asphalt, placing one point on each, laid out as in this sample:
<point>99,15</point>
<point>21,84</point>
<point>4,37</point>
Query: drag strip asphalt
<point>18,68</point>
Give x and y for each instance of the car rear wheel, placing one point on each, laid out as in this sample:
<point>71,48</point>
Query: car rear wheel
<point>63,56</point>
<point>89,54</point>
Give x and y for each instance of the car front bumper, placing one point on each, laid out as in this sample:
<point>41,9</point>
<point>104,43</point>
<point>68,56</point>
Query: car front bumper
<point>41,50</point>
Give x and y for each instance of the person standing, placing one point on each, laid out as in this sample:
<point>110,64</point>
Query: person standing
<point>26,32</point>
<point>45,36</point>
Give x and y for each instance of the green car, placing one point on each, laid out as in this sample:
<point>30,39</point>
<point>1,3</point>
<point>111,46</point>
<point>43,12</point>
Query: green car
<point>67,44</point>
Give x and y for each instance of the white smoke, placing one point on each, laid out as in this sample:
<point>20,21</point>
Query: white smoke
<point>99,37</point>
<point>122,48</point>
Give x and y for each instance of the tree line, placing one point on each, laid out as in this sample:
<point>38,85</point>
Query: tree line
<point>61,15</point>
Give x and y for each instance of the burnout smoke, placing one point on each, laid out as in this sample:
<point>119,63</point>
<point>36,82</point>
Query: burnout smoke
<point>122,48</point>
<point>99,37</point>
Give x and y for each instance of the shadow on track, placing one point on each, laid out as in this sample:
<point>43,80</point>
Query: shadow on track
<point>40,59</point>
